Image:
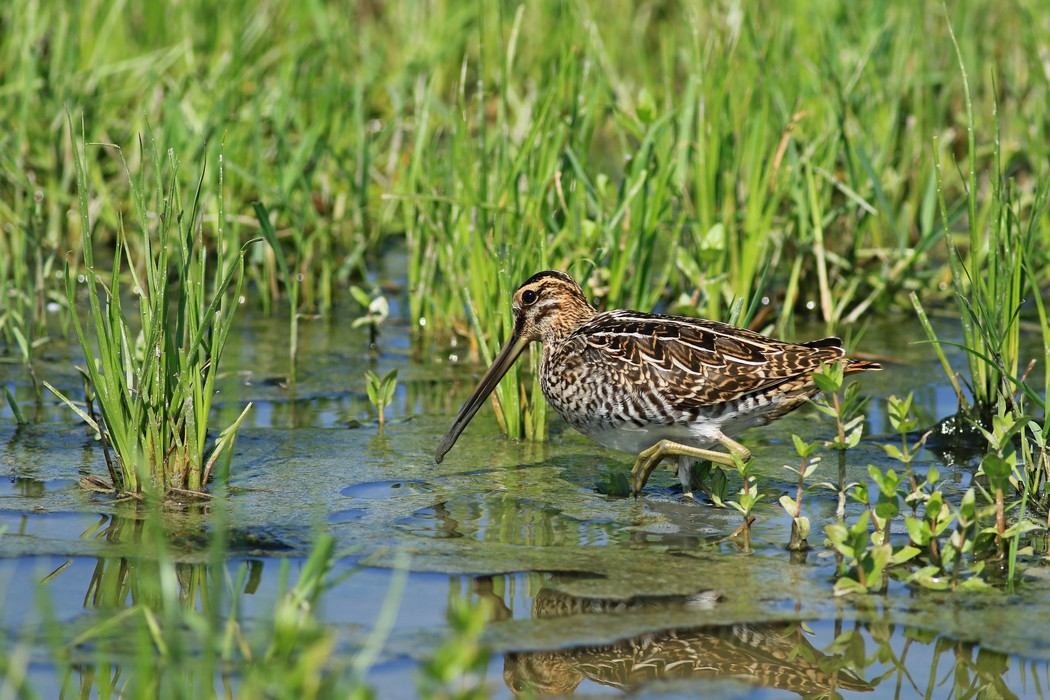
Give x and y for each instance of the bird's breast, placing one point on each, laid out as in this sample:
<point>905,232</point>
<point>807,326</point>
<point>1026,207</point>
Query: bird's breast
<point>622,406</point>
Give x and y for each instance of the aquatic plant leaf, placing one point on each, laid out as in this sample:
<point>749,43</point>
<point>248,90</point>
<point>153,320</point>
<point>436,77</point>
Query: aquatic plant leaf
<point>719,485</point>
<point>975,584</point>
<point>996,469</point>
<point>848,586</point>
<point>15,410</point>
<point>803,448</point>
<point>900,414</point>
<point>893,452</point>
<point>387,387</point>
<point>379,309</point>
<point>887,481</point>
<point>853,436</point>
<point>929,577</point>
<point>360,296</point>
<point>76,409</point>
<point>887,508</point>
<point>372,387</point>
<point>829,378</point>
<point>802,526</point>
<point>222,454</point>
<point>876,562</point>
<point>858,491</point>
<point>840,538</point>
<point>918,531</point>
<point>904,555</point>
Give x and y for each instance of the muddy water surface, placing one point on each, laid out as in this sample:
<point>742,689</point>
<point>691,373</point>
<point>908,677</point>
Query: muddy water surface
<point>587,594</point>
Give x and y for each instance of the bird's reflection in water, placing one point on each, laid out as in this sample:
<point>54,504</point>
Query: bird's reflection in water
<point>773,655</point>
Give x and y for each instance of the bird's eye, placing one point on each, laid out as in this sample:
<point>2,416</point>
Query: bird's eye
<point>529,297</point>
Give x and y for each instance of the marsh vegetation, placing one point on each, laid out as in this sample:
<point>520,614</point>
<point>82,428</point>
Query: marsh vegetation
<point>320,212</point>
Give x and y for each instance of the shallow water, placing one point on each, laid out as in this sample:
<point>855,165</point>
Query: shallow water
<point>587,593</point>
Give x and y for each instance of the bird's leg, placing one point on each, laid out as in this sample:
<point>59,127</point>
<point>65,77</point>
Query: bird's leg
<point>693,474</point>
<point>735,448</point>
<point>650,457</point>
<point>684,471</point>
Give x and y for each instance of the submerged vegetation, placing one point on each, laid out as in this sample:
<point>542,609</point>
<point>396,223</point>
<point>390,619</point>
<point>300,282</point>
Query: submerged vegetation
<point>761,165</point>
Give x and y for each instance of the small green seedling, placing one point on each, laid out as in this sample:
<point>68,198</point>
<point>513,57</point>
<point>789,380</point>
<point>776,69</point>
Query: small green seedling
<point>381,391</point>
<point>793,506</point>
<point>747,497</point>
<point>847,408</point>
<point>865,556</point>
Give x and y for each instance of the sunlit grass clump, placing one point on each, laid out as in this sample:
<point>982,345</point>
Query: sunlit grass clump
<point>150,376</point>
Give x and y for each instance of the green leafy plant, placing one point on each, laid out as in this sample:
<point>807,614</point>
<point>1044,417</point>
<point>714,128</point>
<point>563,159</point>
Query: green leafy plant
<point>947,547</point>
<point>746,498</point>
<point>793,506</point>
<point>1004,475</point>
<point>846,408</point>
<point>865,555</point>
<point>381,391</point>
<point>864,547</point>
<point>904,423</point>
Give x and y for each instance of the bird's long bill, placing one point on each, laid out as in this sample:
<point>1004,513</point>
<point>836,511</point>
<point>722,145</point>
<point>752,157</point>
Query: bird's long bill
<point>510,352</point>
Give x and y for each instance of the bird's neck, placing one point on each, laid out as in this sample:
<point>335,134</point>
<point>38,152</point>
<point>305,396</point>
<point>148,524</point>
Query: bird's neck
<point>570,318</point>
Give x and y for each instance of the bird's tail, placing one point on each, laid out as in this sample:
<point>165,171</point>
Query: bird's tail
<point>860,366</point>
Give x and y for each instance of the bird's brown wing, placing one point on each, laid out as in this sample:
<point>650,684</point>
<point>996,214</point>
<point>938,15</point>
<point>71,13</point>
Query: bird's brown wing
<point>703,362</point>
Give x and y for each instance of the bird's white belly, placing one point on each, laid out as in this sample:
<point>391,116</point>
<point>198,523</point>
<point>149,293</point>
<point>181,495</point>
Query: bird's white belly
<point>633,439</point>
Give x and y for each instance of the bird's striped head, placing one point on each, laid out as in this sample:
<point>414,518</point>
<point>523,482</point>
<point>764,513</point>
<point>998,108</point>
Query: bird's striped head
<point>549,305</point>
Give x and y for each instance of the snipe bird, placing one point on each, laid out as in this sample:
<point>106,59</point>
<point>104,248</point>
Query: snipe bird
<point>653,385</point>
